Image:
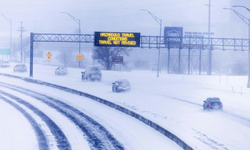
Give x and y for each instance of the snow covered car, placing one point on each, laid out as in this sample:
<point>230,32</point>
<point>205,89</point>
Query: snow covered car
<point>121,85</point>
<point>20,68</point>
<point>212,103</point>
<point>92,73</point>
<point>4,64</point>
<point>61,70</point>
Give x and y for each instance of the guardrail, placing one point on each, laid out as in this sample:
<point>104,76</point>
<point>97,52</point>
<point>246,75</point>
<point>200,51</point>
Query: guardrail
<point>146,121</point>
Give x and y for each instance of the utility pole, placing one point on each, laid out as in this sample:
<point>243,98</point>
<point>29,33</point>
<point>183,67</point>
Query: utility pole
<point>21,30</point>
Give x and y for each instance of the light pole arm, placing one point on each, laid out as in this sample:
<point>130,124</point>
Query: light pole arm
<point>74,18</point>
<point>243,18</point>
<point>155,18</point>
<point>8,19</point>
<point>242,6</point>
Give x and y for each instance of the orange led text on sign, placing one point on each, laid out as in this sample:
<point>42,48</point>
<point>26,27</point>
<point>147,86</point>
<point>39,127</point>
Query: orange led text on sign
<point>117,39</point>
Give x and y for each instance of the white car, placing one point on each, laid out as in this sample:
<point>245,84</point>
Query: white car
<point>4,64</point>
<point>20,68</point>
<point>61,70</point>
<point>121,85</point>
<point>92,73</point>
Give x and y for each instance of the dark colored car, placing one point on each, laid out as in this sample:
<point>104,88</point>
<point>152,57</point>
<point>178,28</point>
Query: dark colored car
<point>212,103</point>
<point>20,68</point>
<point>121,85</point>
<point>92,73</point>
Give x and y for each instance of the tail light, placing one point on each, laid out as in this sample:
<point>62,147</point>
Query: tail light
<point>221,103</point>
<point>209,104</point>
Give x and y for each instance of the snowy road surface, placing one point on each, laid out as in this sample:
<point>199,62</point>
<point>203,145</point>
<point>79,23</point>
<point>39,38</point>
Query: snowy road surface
<point>172,101</point>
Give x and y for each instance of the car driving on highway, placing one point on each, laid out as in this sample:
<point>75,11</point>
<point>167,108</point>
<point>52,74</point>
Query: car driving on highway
<point>4,64</point>
<point>92,73</point>
<point>61,70</point>
<point>121,85</point>
<point>20,68</point>
<point>212,103</point>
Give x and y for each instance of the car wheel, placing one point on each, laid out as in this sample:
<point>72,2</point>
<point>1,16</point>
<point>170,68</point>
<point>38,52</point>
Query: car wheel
<point>113,90</point>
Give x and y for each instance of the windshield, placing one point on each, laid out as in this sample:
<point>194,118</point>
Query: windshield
<point>215,100</point>
<point>93,70</point>
<point>124,82</point>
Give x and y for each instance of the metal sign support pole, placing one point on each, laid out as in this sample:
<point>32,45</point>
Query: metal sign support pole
<point>248,84</point>
<point>31,54</point>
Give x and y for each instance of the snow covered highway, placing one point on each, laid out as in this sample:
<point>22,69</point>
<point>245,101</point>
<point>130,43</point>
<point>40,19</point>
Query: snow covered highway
<point>172,101</point>
<point>96,135</point>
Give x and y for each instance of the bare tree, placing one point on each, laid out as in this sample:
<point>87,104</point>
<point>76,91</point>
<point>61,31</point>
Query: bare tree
<point>67,57</point>
<point>104,55</point>
<point>239,68</point>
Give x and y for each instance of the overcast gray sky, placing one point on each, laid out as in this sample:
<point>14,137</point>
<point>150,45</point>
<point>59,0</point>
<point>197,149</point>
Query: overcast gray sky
<point>44,16</point>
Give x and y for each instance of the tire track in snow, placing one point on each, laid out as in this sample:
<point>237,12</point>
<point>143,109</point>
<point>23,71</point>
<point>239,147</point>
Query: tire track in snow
<point>98,137</point>
<point>62,141</point>
<point>41,138</point>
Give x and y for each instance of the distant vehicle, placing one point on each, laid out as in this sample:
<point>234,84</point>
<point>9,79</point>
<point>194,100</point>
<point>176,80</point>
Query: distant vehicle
<point>121,85</point>
<point>61,70</point>
<point>92,73</point>
<point>4,64</point>
<point>20,68</point>
<point>212,103</point>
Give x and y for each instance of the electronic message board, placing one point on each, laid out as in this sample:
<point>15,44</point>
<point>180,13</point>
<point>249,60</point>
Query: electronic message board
<point>120,39</point>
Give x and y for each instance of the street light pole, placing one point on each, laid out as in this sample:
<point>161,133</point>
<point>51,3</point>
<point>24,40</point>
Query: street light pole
<point>79,23</point>
<point>248,83</point>
<point>10,21</point>
<point>247,21</point>
<point>159,21</point>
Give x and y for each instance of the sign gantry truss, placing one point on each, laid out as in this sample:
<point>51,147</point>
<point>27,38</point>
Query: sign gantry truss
<point>155,41</point>
<point>194,43</point>
<point>84,38</point>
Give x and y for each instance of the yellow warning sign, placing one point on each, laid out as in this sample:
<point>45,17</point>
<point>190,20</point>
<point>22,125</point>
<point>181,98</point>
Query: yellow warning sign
<point>49,55</point>
<point>79,57</point>
<point>49,59</point>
